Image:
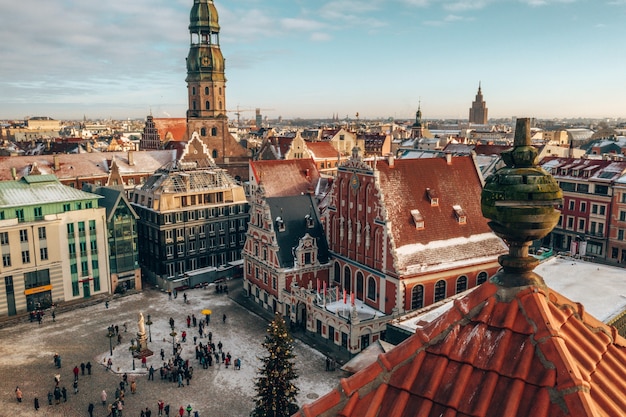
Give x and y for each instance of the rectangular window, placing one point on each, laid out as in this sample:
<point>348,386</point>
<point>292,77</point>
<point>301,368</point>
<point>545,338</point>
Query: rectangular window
<point>24,235</point>
<point>92,226</point>
<point>81,228</point>
<point>602,210</point>
<point>582,188</point>
<point>19,213</point>
<point>43,254</point>
<point>84,268</point>
<point>620,234</point>
<point>622,216</point>
<point>571,204</point>
<point>601,189</point>
<point>583,206</point>
<point>66,207</point>
<point>570,222</point>
<point>72,248</point>
<point>38,213</point>
<point>70,229</point>
<point>42,233</point>
<point>6,260</point>
<point>581,225</point>
<point>25,257</point>
<point>4,238</point>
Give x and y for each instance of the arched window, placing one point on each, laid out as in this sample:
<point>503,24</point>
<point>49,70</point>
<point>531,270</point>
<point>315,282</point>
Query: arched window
<point>482,277</point>
<point>193,104</point>
<point>220,108</point>
<point>347,279</point>
<point>371,288</point>
<point>214,131</point>
<point>359,285</point>
<point>207,105</point>
<point>337,272</point>
<point>461,284</point>
<point>203,131</point>
<point>206,90</point>
<point>440,290</point>
<point>193,91</point>
<point>417,297</point>
<point>214,153</point>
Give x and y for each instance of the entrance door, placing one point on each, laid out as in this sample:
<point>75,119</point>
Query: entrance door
<point>86,291</point>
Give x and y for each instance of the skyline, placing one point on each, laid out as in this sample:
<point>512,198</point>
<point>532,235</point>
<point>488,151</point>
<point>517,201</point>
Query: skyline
<point>379,58</point>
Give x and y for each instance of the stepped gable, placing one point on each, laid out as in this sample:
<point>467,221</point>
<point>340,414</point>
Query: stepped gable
<point>286,177</point>
<point>512,346</point>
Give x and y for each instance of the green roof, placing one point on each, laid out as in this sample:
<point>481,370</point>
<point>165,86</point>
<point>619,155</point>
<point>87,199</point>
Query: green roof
<point>39,189</point>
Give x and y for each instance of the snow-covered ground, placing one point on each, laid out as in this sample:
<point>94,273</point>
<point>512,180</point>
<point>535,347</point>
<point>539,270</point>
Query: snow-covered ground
<point>27,350</point>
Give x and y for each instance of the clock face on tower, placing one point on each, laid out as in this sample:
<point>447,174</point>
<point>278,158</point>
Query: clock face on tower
<point>205,61</point>
<point>354,183</point>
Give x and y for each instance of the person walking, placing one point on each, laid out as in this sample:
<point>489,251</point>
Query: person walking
<point>75,385</point>
<point>103,398</point>
<point>82,368</point>
<point>151,373</point>
<point>167,410</point>
<point>88,366</point>
<point>90,408</point>
<point>36,402</point>
<point>224,318</point>
<point>18,394</point>
<point>189,409</point>
<point>49,398</point>
<point>64,394</point>
<point>53,315</point>
<point>181,411</point>
<point>160,406</point>
<point>133,386</point>
<point>76,373</point>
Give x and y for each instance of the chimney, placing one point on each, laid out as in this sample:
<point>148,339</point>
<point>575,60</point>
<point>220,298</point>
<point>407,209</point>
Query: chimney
<point>55,161</point>
<point>391,160</point>
<point>449,158</point>
<point>131,160</point>
<point>13,173</point>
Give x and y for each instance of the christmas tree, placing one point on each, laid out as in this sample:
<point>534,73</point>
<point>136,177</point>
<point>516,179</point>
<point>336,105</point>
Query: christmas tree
<point>276,392</point>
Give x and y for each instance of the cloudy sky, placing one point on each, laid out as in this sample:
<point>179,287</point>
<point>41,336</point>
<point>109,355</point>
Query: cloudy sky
<point>305,58</point>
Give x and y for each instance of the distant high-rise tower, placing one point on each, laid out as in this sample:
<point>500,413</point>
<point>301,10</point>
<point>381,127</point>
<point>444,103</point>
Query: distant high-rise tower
<point>478,111</point>
<point>206,90</point>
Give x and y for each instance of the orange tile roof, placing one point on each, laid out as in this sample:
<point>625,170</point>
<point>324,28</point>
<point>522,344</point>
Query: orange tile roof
<point>525,351</point>
<point>175,126</point>
<point>285,177</point>
<point>322,150</point>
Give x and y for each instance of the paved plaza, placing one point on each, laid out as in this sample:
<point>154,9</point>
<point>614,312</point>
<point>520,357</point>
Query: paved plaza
<point>79,336</point>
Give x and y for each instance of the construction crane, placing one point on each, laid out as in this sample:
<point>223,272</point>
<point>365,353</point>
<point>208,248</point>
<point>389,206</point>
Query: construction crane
<point>240,110</point>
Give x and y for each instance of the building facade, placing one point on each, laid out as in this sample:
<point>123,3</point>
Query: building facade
<point>589,200</point>
<point>403,234</point>
<point>121,237</point>
<point>192,219</point>
<point>53,244</point>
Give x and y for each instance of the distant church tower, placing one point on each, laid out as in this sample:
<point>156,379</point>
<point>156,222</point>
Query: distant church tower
<point>206,91</point>
<point>478,111</point>
<point>417,128</point>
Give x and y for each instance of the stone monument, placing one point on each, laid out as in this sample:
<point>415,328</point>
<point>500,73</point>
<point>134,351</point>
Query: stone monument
<point>141,349</point>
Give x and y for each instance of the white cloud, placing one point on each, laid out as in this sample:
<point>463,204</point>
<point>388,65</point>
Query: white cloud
<point>320,37</point>
<point>300,24</point>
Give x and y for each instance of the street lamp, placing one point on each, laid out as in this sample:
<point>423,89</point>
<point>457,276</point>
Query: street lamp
<point>173,334</point>
<point>149,323</point>
<point>132,351</point>
<point>110,336</point>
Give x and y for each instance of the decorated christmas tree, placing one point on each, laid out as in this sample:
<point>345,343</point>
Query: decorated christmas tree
<point>276,392</point>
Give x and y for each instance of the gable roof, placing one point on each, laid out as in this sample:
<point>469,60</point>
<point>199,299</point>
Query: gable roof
<point>525,351</point>
<point>292,211</point>
<point>85,165</point>
<point>322,150</point>
<point>285,177</point>
<point>445,241</point>
<point>113,197</point>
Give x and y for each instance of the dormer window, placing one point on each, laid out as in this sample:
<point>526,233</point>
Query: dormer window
<point>418,219</point>
<point>280,224</point>
<point>309,221</point>
<point>432,197</point>
<point>461,217</point>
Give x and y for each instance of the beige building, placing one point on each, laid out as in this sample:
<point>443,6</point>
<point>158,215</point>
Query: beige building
<point>53,244</point>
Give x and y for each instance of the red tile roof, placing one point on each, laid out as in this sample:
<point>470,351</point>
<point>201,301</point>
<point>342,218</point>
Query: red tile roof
<point>456,183</point>
<point>526,351</point>
<point>322,150</point>
<point>285,177</point>
<point>176,127</point>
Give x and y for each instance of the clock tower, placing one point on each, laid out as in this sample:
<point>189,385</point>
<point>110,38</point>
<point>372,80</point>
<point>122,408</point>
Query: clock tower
<point>206,91</point>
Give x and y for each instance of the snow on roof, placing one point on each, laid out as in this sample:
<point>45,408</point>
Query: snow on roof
<point>604,295</point>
